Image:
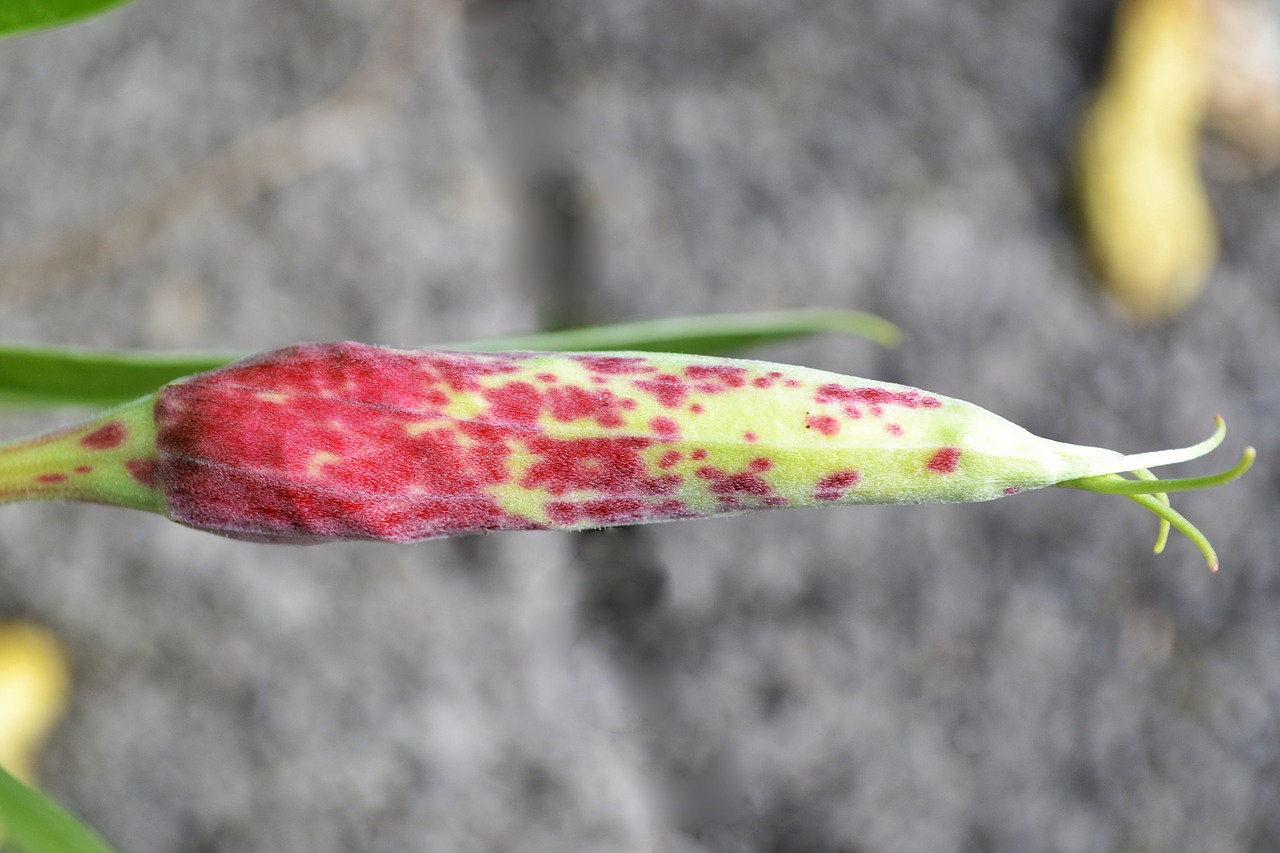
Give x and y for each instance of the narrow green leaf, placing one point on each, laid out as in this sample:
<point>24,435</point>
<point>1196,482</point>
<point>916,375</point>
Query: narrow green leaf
<point>51,376</point>
<point>21,16</point>
<point>36,824</point>
<point>714,334</point>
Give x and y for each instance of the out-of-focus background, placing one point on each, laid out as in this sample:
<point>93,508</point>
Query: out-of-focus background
<point>1017,676</point>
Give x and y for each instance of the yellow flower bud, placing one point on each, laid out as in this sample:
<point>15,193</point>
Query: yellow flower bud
<point>1146,217</point>
<point>34,683</point>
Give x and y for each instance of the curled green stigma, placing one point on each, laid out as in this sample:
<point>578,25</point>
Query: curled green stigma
<point>1151,492</point>
<point>1162,538</point>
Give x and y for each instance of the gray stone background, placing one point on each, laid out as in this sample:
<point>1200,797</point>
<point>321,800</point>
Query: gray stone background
<point>1017,676</point>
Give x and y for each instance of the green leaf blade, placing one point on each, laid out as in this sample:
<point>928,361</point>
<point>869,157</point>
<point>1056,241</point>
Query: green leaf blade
<point>53,376</point>
<point>36,824</point>
<point>716,334</point>
<point>42,376</point>
<point>24,16</point>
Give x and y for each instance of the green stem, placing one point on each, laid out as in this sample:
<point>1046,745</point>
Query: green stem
<point>111,460</point>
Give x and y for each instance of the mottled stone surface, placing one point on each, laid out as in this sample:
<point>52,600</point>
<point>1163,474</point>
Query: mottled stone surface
<point>1015,676</point>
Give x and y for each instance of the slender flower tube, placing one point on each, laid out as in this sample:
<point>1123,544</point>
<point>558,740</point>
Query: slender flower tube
<point>346,441</point>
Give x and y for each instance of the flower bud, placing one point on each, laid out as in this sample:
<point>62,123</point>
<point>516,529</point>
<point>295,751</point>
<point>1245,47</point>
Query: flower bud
<point>1145,212</point>
<point>347,441</point>
<point>34,682</point>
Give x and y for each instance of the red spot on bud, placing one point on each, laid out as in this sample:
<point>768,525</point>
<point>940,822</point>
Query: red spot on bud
<point>727,375</point>
<point>82,469</point>
<point>667,388</point>
<point>564,512</point>
<point>893,429</point>
<point>944,460</point>
<point>602,511</point>
<point>832,487</point>
<point>615,510</point>
<point>665,428</point>
<point>51,478</point>
<point>547,377</point>
<point>360,373</point>
<point>669,459</point>
<point>610,466</point>
<point>697,408</point>
<point>1011,490</point>
<point>145,471</point>
<point>672,508</point>
<point>744,483</point>
<point>105,437</point>
<point>460,371</point>
<point>520,404</point>
<point>824,424</point>
<point>515,404</point>
<point>730,488</point>
<point>750,437</point>
<point>698,455</point>
<point>875,397</point>
<point>605,511</point>
<point>571,403</point>
<point>616,365</point>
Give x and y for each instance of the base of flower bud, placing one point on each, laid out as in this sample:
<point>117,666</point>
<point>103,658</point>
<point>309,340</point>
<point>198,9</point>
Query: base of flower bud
<point>110,460</point>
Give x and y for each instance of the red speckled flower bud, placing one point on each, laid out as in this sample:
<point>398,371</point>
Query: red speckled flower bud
<point>347,441</point>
